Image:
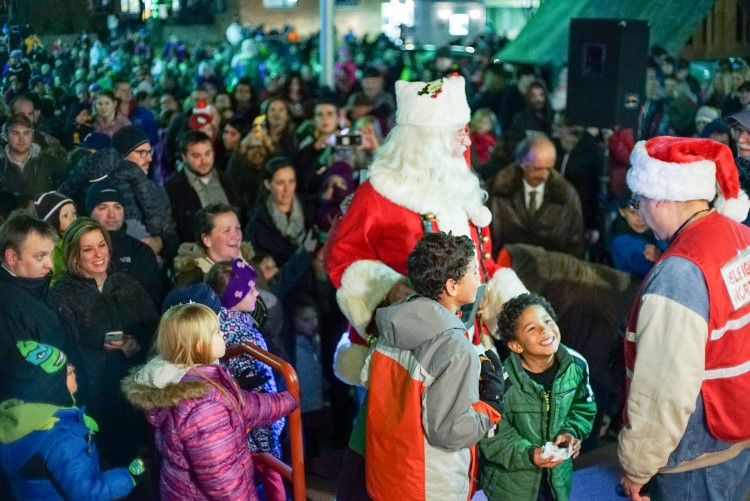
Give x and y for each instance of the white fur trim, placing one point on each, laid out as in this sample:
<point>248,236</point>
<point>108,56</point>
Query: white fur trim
<point>677,182</point>
<point>364,285</point>
<point>481,216</point>
<point>425,199</point>
<point>734,208</point>
<point>502,287</point>
<point>449,107</point>
<point>349,360</point>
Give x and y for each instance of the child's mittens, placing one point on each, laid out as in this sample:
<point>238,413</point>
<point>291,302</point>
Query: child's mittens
<point>491,383</point>
<point>136,469</point>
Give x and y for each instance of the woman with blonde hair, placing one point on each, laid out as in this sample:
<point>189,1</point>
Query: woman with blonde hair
<point>198,409</point>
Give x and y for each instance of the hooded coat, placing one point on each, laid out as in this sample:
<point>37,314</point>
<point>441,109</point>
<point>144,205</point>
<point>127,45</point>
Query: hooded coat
<point>424,414</point>
<point>47,452</point>
<point>200,417</point>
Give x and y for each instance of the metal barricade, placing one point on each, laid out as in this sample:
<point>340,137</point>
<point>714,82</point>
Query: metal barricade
<point>294,473</point>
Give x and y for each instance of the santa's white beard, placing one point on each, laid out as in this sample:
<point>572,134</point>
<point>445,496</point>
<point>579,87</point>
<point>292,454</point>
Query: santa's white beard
<point>417,169</point>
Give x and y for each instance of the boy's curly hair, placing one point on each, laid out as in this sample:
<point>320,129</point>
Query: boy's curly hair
<point>436,258</point>
<point>507,320</point>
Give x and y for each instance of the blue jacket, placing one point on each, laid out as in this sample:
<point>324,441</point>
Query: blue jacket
<point>47,453</point>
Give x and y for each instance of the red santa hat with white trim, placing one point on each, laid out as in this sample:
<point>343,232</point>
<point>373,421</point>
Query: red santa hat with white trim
<point>679,169</point>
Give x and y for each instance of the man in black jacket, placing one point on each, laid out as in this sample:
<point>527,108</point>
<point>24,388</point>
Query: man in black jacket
<point>130,255</point>
<point>26,243</point>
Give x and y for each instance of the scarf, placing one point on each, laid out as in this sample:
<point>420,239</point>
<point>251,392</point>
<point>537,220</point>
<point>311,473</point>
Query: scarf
<point>292,225</point>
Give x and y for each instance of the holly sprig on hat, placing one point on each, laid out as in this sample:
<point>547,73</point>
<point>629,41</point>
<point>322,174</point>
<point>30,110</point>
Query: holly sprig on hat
<point>432,88</point>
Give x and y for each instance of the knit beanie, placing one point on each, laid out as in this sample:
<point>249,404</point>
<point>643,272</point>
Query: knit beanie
<point>96,141</point>
<point>39,374</point>
<point>241,282</point>
<point>100,191</point>
<point>196,293</point>
<point>48,206</point>
<point>707,114</point>
<point>128,138</point>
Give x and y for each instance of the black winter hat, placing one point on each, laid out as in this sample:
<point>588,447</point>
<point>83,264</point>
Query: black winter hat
<point>102,190</point>
<point>128,138</point>
<point>48,206</point>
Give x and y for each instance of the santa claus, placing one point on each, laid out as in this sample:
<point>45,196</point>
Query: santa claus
<point>418,182</point>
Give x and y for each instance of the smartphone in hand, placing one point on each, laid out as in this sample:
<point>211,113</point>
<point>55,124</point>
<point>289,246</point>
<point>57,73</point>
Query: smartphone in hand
<point>113,336</point>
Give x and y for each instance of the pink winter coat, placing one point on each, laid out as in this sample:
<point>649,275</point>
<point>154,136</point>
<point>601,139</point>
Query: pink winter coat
<point>198,432</point>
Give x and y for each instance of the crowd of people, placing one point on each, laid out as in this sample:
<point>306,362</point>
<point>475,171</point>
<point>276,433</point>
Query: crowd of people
<point>159,205</point>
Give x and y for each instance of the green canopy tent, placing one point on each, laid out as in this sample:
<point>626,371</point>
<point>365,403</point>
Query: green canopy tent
<point>544,39</point>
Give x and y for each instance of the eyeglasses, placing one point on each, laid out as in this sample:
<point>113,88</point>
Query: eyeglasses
<point>634,202</point>
<point>144,153</point>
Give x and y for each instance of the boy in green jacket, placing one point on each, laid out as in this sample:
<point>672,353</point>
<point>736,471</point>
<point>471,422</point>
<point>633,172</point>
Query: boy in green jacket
<point>549,408</point>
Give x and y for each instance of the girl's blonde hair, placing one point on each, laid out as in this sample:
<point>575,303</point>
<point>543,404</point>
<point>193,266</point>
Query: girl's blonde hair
<point>181,329</point>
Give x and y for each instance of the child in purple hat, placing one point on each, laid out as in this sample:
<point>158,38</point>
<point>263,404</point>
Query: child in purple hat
<point>234,283</point>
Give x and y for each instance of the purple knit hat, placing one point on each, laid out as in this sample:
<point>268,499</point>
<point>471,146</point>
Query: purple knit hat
<point>241,282</point>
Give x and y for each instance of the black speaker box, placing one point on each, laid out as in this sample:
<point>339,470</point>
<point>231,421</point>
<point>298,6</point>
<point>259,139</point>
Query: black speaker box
<point>606,71</point>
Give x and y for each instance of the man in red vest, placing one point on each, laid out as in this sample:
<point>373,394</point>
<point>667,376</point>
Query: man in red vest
<point>687,346</point>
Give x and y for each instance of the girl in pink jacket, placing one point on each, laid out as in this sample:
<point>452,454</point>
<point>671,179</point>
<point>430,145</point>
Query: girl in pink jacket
<point>199,414</point>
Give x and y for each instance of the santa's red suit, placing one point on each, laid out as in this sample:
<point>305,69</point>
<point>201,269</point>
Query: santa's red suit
<point>369,251</point>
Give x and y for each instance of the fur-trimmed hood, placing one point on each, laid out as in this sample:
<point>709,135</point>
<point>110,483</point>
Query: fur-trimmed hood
<point>162,385</point>
<point>509,181</point>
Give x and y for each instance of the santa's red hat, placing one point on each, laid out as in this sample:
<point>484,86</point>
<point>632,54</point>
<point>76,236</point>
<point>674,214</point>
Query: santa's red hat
<point>679,169</point>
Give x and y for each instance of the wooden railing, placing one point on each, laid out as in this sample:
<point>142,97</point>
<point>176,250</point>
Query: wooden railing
<point>294,473</point>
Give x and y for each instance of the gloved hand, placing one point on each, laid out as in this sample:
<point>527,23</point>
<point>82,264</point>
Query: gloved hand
<point>136,469</point>
<point>491,383</point>
<point>252,382</point>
